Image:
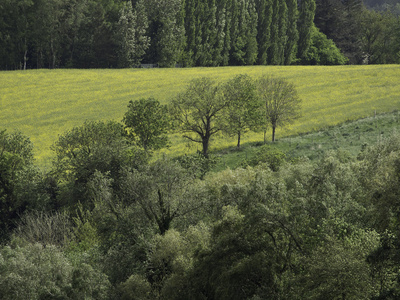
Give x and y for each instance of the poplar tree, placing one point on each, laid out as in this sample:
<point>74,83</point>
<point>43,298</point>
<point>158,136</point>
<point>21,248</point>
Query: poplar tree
<point>226,48</point>
<point>264,9</point>
<point>273,50</point>
<point>126,35</point>
<point>208,33</point>
<point>306,19</point>
<point>190,31</point>
<point>142,41</point>
<point>292,32</point>
<point>282,31</point>
<point>251,44</point>
<point>218,53</point>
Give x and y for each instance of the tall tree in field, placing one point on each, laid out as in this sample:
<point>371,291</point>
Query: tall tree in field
<point>282,31</point>
<point>306,19</point>
<point>221,27</point>
<point>142,41</point>
<point>243,33</point>
<point>131,34</point>
<point>251,41</point>
<point>190,31</point>
<point>226,10</point>
<point>273,50</point>
<point>197,111</point>
<point>166,31</point>
<point>206,32</point>
<point>243,111</point>
<point>126,35</point>
<point>292,32</point>
<point>282,104</point>
<point>264,9</point>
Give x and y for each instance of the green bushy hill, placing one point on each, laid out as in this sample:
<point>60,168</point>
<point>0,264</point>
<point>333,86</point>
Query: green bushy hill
<point>45,103</point>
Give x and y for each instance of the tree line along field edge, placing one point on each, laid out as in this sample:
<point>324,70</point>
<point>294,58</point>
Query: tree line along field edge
<point>45,103</point>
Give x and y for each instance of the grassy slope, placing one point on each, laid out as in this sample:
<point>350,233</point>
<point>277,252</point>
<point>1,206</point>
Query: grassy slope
<point>45,103</point>
<point>349,136</point>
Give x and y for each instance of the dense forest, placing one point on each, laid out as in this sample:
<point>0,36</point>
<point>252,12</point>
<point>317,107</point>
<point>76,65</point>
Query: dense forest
<point>168,33</point>
<point>109,221</point>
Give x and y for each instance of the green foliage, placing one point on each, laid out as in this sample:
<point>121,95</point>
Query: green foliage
<point>197,164</point>
<point>306,19</point>
<point>37,272</point>
<point>135,288</point>
<point>281,101</point>
<point>323,51</point>
<point>19,180</point>
<point>147,122</point>
<point>271,157</point>
<point>162,191</point>
<point>100,146</point>
<point>45,228</point>
<point>243,109</point>
<point>197,111</point>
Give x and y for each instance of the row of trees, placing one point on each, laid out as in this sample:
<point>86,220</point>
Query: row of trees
<point>206,108</point>
<point>120,33</point>
<point>113,225</point>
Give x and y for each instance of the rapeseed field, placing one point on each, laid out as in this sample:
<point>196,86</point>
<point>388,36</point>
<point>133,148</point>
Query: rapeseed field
<point>45,103</point>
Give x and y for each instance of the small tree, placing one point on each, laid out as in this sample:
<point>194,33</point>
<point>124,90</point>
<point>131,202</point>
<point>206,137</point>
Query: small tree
<point>282,104</point>
<point>242,113</point>
<point>147,122</point>
<point>197,111</point>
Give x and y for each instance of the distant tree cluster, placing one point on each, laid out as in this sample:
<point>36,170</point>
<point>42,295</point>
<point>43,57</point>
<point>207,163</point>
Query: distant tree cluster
<point>364,36</point>
<point>120,33</point>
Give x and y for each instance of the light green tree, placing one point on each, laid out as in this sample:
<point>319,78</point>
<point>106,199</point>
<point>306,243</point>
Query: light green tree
<point>282,103</point>
<point>197,111</point>
<point>243,109</point>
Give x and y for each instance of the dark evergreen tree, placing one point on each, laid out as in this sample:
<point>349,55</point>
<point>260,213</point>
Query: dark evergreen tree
<point>282,31</point>
<point>273,50</point>
<point>306,19</point>
<point>264,10</point>
<point>291,33</point>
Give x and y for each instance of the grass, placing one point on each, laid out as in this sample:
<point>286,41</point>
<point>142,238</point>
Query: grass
<point>45,103</point>
<point>351,137</point>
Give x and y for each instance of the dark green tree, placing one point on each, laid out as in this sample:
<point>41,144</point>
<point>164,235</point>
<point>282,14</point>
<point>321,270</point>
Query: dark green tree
<point>264,10</point>
<point>18,180</point>
<point>273,50</point>
<point>292,33</point>
<point>162,192</point>
<point>83,150</point>
<point>305,22</point>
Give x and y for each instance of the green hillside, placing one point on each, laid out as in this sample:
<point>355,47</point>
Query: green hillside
<point>45,103</point>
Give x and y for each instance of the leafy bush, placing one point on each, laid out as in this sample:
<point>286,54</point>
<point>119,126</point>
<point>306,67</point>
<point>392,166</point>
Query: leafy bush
<point>323,51</point>
<point>38,272</point>
<point>268,155</point>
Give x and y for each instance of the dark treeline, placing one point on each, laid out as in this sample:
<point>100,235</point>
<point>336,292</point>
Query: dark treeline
<point>118,33</point>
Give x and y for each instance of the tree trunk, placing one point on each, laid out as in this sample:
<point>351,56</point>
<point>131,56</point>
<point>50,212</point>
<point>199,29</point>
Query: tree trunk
<point>238,143</point>
<point>205,146</point>
<point>273,133</point>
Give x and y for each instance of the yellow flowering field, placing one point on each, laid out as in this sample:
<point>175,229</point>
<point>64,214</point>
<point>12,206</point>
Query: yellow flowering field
<point>45,103</point>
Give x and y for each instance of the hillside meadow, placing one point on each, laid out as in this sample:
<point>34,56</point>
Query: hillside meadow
<point>45,103</point>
